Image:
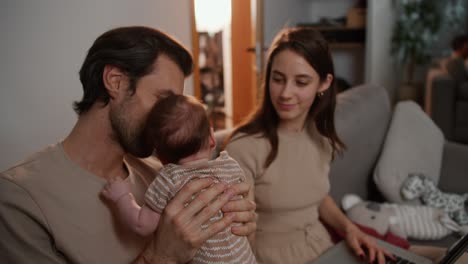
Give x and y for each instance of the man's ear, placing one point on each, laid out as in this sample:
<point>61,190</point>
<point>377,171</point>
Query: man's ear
<point>325,84</point>
<point>114,80</point>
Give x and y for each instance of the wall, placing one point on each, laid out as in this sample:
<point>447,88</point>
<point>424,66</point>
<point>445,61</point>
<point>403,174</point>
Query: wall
<point>380,68</point>
<point>373,64</point>
<point>43,45</point>
<point>279,14</point>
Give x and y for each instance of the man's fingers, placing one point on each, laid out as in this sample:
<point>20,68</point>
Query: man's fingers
<point>239,205</point>
<point>241,188</point>
<point>218,200</point>
<point>205,205</point>
<point>188,213</point>
<point>245,229</point>
<point>244,216</point>
<point>190,189</point>
<point>217,227</point>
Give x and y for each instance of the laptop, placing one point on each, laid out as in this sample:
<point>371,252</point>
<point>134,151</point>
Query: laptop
<point>341,253</point>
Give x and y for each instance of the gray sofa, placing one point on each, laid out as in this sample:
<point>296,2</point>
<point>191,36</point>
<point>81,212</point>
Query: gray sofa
<point>449,103</point>
<point>446,97</point>
<point>362,117</point>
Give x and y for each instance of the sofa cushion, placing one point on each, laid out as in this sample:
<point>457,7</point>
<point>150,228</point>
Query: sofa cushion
<point>362,118</point>
<point>456,69</point>
<point>461,113</point>
<point>463,91</point>
<point>220,137</point>
<point>460,131</point>
<point>414,144</point>
<point>454,168</point>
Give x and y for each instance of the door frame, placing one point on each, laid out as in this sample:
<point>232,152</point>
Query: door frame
<point>246,67</point>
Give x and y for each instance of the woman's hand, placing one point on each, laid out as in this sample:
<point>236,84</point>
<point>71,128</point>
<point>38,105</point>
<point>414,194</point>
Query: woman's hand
<point>356,239</point>
<point>359,242</point>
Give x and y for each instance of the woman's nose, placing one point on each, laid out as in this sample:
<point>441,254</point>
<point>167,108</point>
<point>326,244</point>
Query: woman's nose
<point>286,92</point>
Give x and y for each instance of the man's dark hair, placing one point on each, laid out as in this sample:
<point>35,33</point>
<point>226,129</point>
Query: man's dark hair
<point>134,51</point>
<point>177,127</point>
<point>458,42</point>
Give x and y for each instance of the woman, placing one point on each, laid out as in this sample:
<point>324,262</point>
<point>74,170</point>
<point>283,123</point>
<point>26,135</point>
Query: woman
<point>285,148</point>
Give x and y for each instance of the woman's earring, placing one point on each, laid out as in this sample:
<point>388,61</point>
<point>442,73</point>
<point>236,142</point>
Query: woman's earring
<point>320,94</point>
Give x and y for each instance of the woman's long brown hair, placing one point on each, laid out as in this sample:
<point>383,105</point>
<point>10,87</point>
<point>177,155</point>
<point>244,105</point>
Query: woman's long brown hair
<point>309,44</point>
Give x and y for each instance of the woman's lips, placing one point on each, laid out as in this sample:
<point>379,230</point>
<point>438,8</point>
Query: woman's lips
<point>286,107</point>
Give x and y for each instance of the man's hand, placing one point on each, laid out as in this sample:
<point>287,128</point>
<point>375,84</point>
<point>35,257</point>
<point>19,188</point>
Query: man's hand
<point>243,210</point>
<point>179,234</point>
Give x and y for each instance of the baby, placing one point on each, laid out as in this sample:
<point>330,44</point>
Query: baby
<point>180,132</point>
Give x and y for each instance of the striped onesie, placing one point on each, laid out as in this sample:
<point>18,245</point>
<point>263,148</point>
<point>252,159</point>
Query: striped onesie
<point>223,247</point>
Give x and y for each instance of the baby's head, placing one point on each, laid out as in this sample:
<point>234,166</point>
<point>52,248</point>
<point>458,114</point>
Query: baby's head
<point>178,127</point>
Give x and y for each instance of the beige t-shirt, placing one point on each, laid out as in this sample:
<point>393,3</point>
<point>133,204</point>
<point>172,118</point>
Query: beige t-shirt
<point>287,194</point>
<point>51,212</point>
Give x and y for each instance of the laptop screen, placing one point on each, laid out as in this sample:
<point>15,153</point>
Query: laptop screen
<point>456,250</point>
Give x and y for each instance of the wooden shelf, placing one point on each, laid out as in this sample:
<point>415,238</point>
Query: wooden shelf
<point>331,28</point>
<point>341,36</point>
<point>349,45</point>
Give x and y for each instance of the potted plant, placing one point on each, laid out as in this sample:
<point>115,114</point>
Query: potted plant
<point>418,23</point>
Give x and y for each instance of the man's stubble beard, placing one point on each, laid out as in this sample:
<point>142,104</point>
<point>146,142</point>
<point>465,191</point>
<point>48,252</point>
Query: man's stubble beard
<point>128,132</point>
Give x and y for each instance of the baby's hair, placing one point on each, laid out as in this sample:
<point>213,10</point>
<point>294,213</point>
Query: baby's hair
<point>177,127</point>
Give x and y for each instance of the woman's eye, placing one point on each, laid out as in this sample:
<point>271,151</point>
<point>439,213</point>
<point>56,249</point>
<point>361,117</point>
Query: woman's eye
<point>301,83</point>
<point>277,80</point>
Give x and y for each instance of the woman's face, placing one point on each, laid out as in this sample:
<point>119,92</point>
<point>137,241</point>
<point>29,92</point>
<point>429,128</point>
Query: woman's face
<point>294,85</point>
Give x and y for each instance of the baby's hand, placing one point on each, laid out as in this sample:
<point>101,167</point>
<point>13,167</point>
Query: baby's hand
<point>115,189</point>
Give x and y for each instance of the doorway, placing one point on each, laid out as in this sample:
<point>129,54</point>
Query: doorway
<point>228,58</point>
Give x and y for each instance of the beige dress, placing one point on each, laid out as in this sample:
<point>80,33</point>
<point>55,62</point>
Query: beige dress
<point>287,194</point>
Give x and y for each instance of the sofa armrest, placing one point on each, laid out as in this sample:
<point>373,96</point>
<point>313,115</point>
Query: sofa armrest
<point>463,90</point>
<point>454,168</point>
<point>220,137</point>
<point>443,104</point>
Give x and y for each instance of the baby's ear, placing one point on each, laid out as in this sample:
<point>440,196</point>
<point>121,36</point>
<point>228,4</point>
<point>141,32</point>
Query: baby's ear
<point>212,139</point>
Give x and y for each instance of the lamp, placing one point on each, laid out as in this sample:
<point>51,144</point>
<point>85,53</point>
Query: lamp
<point>212,15</point>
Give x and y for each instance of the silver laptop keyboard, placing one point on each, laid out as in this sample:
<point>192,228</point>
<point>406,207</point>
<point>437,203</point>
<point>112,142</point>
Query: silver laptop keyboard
<point>398,260</point>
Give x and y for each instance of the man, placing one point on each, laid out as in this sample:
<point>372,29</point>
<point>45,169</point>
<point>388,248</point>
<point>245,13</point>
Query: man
<point>456,65</point>
<point>50,209</point>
